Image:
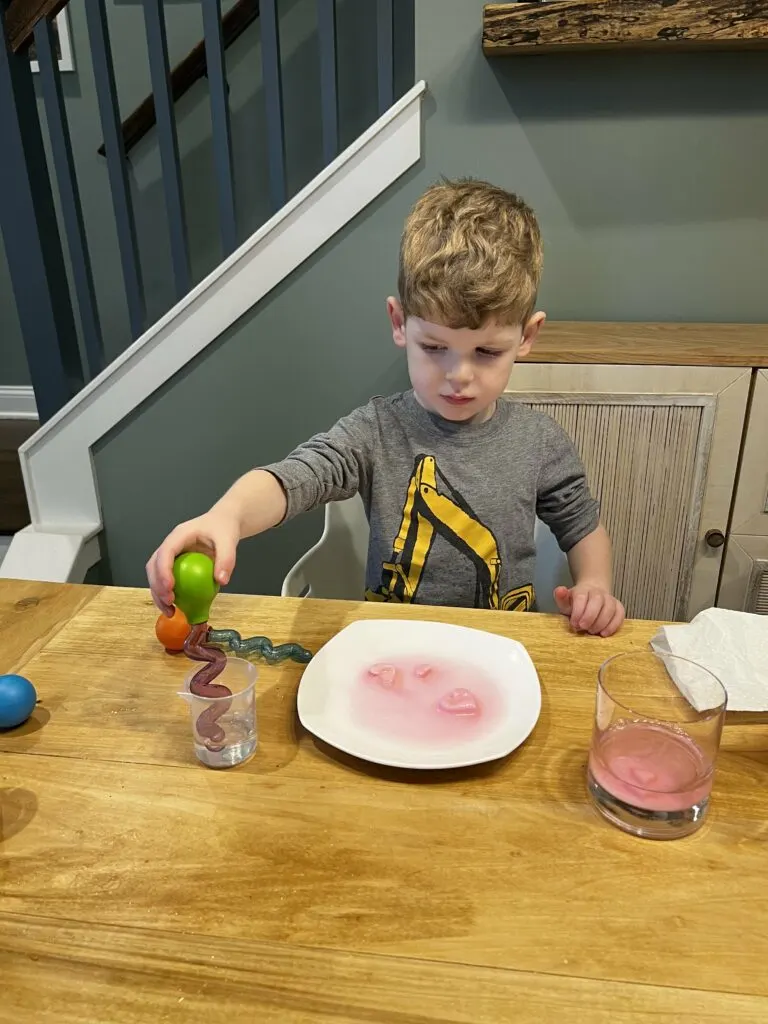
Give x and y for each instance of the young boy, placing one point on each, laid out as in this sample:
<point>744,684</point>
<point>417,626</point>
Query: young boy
<point>452,478</point>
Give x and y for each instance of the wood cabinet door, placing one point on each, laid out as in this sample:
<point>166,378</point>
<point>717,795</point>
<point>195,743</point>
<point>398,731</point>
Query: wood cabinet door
<point>744,583</point>
<point>660,445</point>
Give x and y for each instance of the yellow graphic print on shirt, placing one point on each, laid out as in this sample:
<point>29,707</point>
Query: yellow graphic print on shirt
<point>427,512</point>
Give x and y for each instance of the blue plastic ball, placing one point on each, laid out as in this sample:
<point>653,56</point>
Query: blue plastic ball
<point>17,700</point>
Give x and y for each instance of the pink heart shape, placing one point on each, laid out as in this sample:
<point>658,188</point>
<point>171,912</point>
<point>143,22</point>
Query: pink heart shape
<point>386,676</point>
<point>423,671</point>
<point>459,702</point>
<point>643,776</point>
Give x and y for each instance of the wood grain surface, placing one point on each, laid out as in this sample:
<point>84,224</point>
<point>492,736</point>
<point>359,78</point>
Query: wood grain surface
<point>136,885</point>
<point>522,28</point>
<point>72,972</point>
<point>660,344</point>
<point>30,616</point>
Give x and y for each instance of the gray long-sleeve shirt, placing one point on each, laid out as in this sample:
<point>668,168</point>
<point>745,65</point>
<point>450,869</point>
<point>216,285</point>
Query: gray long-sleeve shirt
<point>451,506</point>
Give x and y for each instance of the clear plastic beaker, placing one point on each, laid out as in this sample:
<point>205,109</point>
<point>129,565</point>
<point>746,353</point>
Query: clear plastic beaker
<point>235,716</point>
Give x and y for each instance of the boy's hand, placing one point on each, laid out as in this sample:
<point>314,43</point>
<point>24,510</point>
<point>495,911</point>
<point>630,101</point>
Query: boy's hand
<point>590,608</point>
<point>215,534</point>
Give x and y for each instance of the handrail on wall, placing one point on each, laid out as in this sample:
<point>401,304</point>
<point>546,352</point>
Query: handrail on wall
<point>23,15</point>
<point>188,71</point>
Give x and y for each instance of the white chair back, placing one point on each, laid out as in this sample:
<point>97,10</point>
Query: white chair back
<point>334,568</point>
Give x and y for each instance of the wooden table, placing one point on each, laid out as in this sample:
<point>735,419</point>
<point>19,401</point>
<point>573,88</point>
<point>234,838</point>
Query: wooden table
<point>138,886</point>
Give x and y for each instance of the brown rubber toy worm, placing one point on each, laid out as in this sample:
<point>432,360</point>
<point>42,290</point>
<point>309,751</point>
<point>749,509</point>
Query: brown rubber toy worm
<point>202,685</point>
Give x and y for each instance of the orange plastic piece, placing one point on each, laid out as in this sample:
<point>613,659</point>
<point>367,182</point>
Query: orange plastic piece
<point>174,631</point>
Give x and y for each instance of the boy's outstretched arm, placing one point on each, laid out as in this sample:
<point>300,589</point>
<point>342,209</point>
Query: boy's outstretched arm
<point>328,467</point>
<point>254,503</point>
<point>589,603</point>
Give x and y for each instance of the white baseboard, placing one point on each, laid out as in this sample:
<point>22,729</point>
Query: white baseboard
<point>17,403</point>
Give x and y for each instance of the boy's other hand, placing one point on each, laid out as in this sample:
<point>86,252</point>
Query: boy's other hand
<point>215,534</point>
<point>590,608</point>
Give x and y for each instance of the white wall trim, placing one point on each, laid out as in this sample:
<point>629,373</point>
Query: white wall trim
<point>17,402</point>
<point>56,461</point>
<point>54,557</point>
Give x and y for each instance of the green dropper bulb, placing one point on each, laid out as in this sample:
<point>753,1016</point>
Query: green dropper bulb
<point>195,587</point>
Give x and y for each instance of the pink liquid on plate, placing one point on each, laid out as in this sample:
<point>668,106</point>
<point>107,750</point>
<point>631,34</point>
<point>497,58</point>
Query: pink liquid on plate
<point>650,766</point>
<point>427,700</point>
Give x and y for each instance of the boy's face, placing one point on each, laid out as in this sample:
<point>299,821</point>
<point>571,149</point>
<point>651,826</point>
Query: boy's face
<point>459,373</point>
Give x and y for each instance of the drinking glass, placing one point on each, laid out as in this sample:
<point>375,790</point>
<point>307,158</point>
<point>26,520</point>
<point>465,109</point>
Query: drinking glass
<point>658,722</point>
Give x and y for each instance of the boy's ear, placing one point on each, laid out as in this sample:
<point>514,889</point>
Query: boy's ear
<point>531,333</point>
<point>397,319</point>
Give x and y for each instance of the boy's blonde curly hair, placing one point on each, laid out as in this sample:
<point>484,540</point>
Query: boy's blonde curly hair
<point>470,253</point>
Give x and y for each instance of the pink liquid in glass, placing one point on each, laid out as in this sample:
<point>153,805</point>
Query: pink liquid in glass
<point>650,766</point>
<point>427,700</point>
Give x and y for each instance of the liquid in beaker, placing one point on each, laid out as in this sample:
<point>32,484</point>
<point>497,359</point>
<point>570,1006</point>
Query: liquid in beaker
<point>235,716</point>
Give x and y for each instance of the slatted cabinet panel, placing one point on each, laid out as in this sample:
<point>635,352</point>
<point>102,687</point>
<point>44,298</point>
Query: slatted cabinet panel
<point>660,446</point>
<point>645,466</point>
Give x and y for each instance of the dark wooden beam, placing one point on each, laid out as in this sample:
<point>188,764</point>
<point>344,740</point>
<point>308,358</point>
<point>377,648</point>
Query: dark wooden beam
<point>186,73</point>
<point>510,29</point>
<point>22,16</point>
<point>14,511</point>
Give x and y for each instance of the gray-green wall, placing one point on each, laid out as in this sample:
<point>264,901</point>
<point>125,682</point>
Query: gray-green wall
<point>300,69</point>
<point>647,172</point>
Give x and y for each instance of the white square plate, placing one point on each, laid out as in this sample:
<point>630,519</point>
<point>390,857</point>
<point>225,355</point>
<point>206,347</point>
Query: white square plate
<point>325,692</point>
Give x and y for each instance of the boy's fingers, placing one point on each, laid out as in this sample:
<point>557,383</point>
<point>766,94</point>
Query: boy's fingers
<point>154,584</point>
<point>605,617</point>
<point>615,623</point>
<point>161,603</point>
<point>224,563</point>
<point>562,596</point>
<point>595,605</point>
<point>161,577</point>
<point>164,558</point>
<point>578,608</point>
<point>163,600</point>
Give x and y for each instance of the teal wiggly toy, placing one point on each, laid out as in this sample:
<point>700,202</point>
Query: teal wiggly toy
<point>195,589</point>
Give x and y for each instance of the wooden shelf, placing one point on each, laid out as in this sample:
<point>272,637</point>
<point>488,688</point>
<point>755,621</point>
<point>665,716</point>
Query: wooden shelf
<point>656,344</point>
<point>512,29</point>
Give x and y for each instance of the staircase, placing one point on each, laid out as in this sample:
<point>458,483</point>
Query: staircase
<point>79,398</point>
